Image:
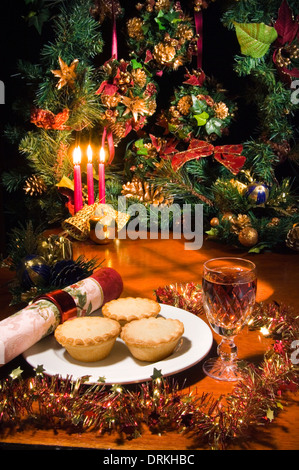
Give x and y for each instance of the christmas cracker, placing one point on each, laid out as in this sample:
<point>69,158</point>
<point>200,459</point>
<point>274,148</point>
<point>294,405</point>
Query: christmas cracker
<point>25,328</point>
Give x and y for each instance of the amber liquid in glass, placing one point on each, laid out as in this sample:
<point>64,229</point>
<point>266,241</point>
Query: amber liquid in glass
<point>229,296</point>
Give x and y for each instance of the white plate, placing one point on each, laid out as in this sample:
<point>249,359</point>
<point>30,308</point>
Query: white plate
<point>120,367</point>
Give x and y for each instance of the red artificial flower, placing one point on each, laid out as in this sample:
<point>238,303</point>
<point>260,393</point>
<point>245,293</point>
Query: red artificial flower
<point>48,120</point>
<point>287,28</point>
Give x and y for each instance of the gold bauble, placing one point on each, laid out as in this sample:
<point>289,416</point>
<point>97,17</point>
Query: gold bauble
<point>248,236</point>
<point>214,222</point>
<point>228,216</point>
<point>102,229</point>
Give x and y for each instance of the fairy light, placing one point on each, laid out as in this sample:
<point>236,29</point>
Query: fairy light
<point>264,330</point>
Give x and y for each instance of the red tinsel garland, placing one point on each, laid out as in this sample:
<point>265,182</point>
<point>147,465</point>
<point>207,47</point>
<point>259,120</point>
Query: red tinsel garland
<point>160,404</point>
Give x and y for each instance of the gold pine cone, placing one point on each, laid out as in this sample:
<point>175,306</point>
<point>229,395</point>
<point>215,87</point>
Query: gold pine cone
<point>164,54</point>
<point>221,110</point>
<point>139,77</point>
<point>240,222</point>
<point>134,28</point>
<point>35,186</point>
<point>162,5</point>
<point>111,101</point>
<point>184,32</point>
<point>145,192</point>
<point>184,105</point>
<point>118,129</point>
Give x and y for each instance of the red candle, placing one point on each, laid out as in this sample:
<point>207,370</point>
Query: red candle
<point>78,203</point>
<point>90,176</point>
<point>102,196</point>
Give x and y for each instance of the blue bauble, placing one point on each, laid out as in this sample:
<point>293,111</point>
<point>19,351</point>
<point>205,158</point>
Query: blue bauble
<point>33,271</point>
<point>257,193</point>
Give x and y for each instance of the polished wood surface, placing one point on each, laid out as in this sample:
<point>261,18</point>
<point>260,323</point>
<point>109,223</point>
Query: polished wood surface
<point>146,265</point>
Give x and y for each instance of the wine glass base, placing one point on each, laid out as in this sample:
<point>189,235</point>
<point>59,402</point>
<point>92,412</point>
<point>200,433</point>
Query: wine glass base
<point>219,369</point>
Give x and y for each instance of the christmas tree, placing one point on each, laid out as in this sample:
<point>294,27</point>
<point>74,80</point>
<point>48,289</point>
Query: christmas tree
<point>132,76</point>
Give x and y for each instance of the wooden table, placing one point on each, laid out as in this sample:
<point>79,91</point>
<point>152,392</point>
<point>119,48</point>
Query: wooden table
<point>147,264</point>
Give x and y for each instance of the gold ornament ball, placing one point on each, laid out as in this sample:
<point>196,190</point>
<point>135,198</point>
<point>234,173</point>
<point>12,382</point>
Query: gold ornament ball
<point>228,216</point>
<point>248,236</point>
<point>102,229</point>
<point>214,222</point>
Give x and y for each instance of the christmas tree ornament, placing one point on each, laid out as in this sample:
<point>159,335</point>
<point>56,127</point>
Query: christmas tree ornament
<point>162,36</point>
<point>273,222</point>
<point>67,74</point>
<point>255,38</point>
<point>78,226</point>
<point>35,186</point>
<point>257,193</point>
<point>65,273</point>
<point>248,236</point>
<point>197,110</point>
<point>100,9</point>
<point>228,216</point>
<point>286,52</point>
<point>214,222</point>
<point>54,248</point>
<point>127,97</point>
<point>47,120</point>
<point>33,271</point>
<point>292,240</point>
<point>146,193</point>
<point>240,222</point>
<point>102,230</point>
<point>186,296</point>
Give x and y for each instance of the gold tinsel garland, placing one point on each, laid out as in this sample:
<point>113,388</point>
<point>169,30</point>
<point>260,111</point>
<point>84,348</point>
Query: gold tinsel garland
<point>160,404</point>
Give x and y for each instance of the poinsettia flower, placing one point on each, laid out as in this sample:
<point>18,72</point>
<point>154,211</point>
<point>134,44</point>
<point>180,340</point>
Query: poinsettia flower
<point>195,79</point>
<point>287,28</point>
<point>107,89</point>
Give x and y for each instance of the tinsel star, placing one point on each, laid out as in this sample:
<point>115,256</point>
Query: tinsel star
<point>16,373</point>
<point>66,74</point>
<point>157,374</point>
<point>39,370</point>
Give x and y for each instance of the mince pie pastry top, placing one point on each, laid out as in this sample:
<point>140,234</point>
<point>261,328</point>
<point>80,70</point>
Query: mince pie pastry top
<point>152,339</point>
<point>127,309</point>
<point>88,338</point>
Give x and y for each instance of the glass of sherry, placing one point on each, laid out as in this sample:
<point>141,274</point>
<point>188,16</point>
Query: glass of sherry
<point>229,290</point>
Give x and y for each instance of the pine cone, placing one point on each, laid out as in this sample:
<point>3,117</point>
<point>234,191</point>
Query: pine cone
<point>118,129</point>
<point>240,222</point>
<point>134,28</point>
<point>221,110</point>
<point>164,54</point>
<point>111,101</point>
<point>162,5</point>
<point>65,273</point>
<point>184,105</point>
<point>184,32</point>
<point>292,240</point>
<point>139,77</point>
<point>35,186</point>
<point>145,193</point>
<point>281,149</point>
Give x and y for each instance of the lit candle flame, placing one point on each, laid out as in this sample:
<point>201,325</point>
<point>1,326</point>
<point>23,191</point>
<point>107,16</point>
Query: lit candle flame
<point>89,154</point>
<point>102,155</point>
<point>77,156</point>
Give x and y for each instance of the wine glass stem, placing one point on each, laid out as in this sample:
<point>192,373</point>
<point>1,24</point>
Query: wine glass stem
<point>227,350</point>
